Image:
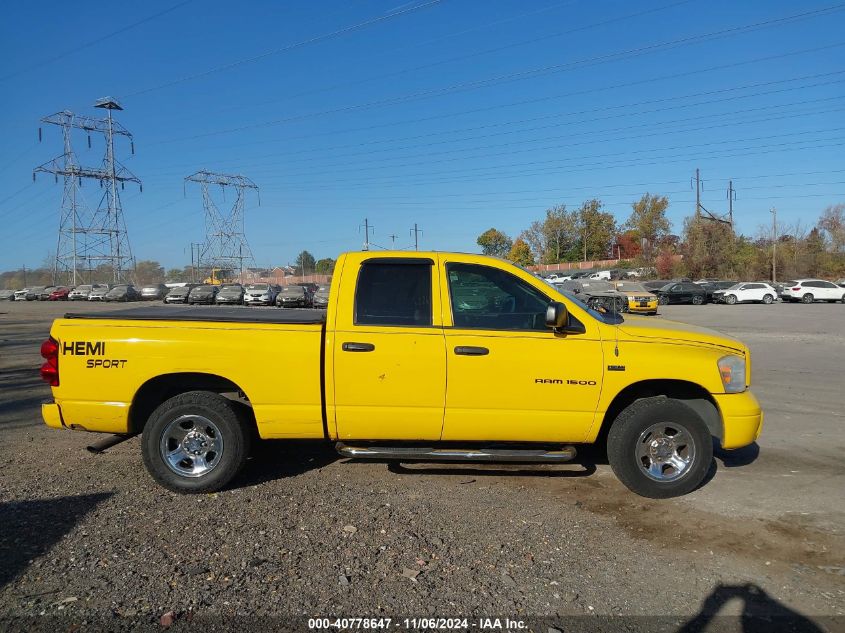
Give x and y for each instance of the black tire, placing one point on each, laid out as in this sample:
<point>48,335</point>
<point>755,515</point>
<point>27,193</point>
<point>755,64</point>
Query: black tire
<point>235,434</point>
<point>663,300</point>
<point>843,298</point>
<point>768,299</point>
<point>697,300</point>
<point>624,440</point>
<point>730,300</point>
<point>808,298</point>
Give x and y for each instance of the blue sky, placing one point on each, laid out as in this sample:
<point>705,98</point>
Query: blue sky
<point>459,115</point>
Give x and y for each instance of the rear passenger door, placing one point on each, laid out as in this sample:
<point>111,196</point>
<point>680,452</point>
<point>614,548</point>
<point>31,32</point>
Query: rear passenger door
<point>389,354</point>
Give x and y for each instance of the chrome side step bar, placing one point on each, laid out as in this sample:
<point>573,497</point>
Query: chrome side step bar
<point>431,453</point>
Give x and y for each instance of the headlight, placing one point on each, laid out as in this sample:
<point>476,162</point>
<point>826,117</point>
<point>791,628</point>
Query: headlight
<point>732,372</point>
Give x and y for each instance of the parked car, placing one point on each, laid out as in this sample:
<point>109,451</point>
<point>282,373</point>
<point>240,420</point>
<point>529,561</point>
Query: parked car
<point>206,293</point>
<point>746,292</point>
<point>60,293</point>
<point>715,286</point>
<point>232,294</point>
<point>179,294</point>
<point>321,298</point>
<point>82,292</point>
<point>98,293</point>
<point>681,292</point>
<point>602,274</point>
<point>293,297</point>
<point>260,294</point>
<point>810,290</point>
<point>638,298</point>
<point>122,292</point>
<point>20,295</point>
<point>7,295</point>
<point>153,292</point>
<point>597,294</point>
<point>655,284</point>
<point>840,282</point>
<point>36,292</point>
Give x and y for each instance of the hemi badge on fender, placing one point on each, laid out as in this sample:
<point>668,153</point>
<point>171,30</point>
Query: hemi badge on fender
<point>616,368</point>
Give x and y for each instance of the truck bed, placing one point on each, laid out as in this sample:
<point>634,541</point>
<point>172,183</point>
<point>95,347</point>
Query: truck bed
<point>214,314</point>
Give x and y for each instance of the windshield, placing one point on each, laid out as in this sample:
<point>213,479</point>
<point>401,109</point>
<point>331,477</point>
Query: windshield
<point>261,287</point>
<point>322,291</point>
<point>204,288</point>
<point>293,290</point>
<point>120,288</point>
<point>83,288</point>
<point>231,289</point>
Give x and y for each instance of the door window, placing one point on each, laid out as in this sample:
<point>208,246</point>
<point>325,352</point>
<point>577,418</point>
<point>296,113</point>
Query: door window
<point>393,294</point>
<point>491,299</point>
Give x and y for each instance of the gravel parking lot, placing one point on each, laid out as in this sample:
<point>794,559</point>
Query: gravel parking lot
<point>90,538</point>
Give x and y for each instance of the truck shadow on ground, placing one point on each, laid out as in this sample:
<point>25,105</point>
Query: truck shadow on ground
<point>739,457</point>
<point>761,613</point>
<point>31,528</point>
<point>276,459</point>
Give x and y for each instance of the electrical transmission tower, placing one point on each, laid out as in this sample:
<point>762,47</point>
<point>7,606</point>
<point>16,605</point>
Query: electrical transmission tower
<point>698,184</point>
<point>225,245</point>
<point>89,239</point>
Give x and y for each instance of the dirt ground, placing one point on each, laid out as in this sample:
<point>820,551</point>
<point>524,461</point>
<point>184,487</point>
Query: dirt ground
<point>90,539</point>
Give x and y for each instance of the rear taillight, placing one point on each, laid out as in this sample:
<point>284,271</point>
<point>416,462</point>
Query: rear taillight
<point>796,289</point>
<point>50,369</point>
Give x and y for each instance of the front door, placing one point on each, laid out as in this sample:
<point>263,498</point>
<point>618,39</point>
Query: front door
<point>389,355</point>
<point>511,378</point>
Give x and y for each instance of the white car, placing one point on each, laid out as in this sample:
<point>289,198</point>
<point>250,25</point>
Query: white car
<point>602,274</point>
<point>20,295</point>
<point>746,291</point>
<point>810,290</point>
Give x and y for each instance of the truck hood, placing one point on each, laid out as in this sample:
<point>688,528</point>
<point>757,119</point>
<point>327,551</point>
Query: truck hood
<point>646,328</point>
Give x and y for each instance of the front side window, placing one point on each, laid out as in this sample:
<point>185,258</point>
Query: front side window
<point>492,299</point>
<point>394,294</point>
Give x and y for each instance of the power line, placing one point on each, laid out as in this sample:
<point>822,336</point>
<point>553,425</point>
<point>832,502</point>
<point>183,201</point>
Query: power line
<point>284,49</point>
<point>91,43</point>
<point>527,74</point>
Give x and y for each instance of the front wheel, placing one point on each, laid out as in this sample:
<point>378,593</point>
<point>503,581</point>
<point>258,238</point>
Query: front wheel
<point>660,448</point>
<point>697,300</point>
<point>195,442</point>
<point>767,299</point>
<point>808,298</point>
<point>730,300</point>
<point>663,300</point>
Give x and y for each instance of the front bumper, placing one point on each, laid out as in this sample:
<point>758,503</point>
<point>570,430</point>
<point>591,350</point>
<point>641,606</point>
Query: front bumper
<point>637,306</point>
<point>255,301</point>
<point>742,418</point>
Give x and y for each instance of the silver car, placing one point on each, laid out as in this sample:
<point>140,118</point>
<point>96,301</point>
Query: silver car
<point>179,294</point>
<point>20,295</point>
<point>7,295</point>
<point>232,294</point>
<point>81,293</point>
<point>97,294</point>
<point>260,294</point>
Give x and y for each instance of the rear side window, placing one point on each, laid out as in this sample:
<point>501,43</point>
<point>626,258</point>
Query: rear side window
<point>393,294</point>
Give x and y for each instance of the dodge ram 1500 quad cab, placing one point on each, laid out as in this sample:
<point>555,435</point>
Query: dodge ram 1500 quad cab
<point>419,356</point>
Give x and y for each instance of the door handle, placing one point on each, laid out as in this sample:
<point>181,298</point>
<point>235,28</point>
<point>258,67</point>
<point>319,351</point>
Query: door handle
<point>468,350</point>
<point>358,347</point>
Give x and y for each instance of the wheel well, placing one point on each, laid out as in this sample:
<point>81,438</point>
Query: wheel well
<point>156,390</point>
<point>694,396</point>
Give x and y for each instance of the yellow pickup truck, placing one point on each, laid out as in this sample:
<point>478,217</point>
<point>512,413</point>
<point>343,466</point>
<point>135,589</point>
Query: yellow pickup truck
<point>419,356</point>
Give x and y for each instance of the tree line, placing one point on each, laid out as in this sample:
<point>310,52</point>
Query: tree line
<point>706,247</point>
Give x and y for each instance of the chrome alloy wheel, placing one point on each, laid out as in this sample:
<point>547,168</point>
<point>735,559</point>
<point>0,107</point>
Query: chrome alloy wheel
<point>191,445</point>
<point>665,452</point>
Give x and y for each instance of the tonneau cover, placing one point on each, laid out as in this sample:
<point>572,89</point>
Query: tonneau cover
<point>214,314</point>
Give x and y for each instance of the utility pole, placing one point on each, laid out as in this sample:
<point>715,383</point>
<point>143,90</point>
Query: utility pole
<point>392,241</point>
<point>697,193</point>
<point>24,275</point>
<point>585,240</point>
<point>774,213</point>
<point>416,233</point>
<point>194,268</point>
<point>367,229</point>
<point>731,198</point>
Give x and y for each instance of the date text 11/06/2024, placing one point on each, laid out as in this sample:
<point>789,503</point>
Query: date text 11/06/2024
<point>459,624</point>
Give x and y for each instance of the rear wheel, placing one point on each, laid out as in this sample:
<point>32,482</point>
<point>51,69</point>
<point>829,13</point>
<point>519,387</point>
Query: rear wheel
<point>730,300</point>
<point>660,448</point>
<point>808,298</point>
<point>767,299</point>
<point>843,298</point>
<point>195,442</point>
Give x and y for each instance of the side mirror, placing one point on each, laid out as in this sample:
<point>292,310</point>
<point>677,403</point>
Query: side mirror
<point>557,315</point>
